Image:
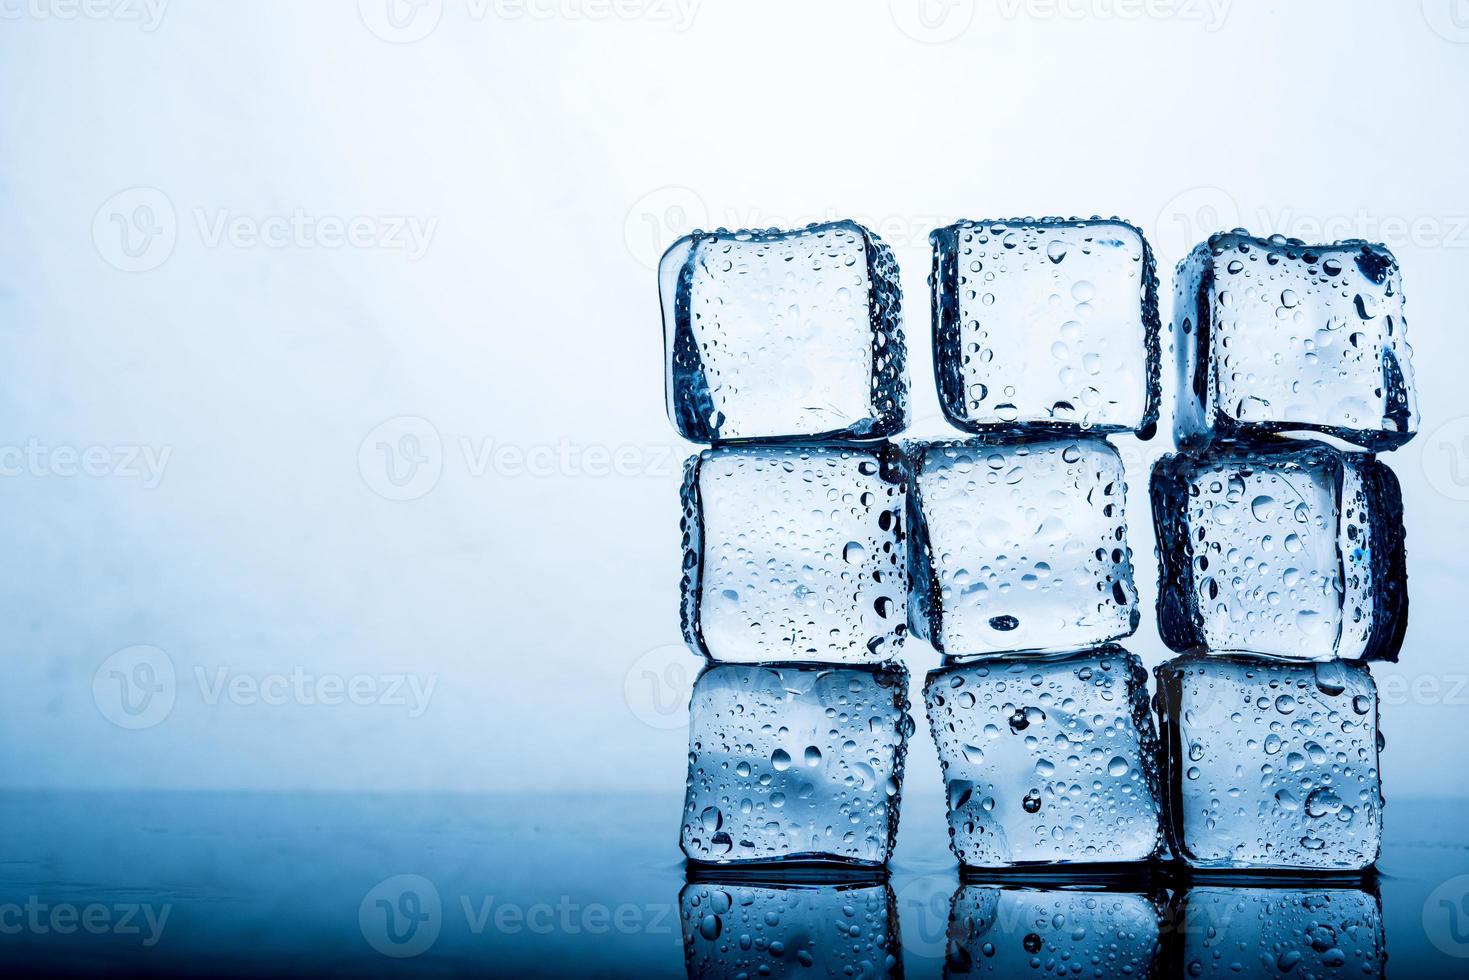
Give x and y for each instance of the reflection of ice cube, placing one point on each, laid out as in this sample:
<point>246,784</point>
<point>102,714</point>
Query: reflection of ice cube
<point>1292,550</point>
<point>1270,764</point>
<point>795,763</point>
<point>1042,323</point>
<point>795,553</point>
<point>1019,545</point>
<point>1273,335</point>
<point>1278,932</point>
<point>1047,761</point>
<point>784,334</point>
<point>743,929</point>
<point>1009,932</point>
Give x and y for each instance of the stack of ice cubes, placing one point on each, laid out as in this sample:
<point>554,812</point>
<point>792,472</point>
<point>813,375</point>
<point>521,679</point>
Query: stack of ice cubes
<point>1046,340</point>
<point>785,353</point>
<point>1282,558</point>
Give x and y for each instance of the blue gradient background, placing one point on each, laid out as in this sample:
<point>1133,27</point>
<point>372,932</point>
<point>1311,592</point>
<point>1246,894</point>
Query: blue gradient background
<point>555,156</point>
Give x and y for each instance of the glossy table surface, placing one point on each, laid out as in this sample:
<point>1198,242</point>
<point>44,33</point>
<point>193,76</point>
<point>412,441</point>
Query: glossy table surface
<point>529,885</point>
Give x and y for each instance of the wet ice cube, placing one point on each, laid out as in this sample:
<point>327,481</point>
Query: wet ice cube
<point>795,763</point>
<point>740,929</point>
<point>1293,550</point>
<point>1049,322</point>
<point>1008,932</point>
<point>1273,335</point>
<point>1047,760</point>
<point>783,334</point>
<point>1278,932</point>
<point>795,553</point>
<point>1019,545</point>
<point>1270,764</point>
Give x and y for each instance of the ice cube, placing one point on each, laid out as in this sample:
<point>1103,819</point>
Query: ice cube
<point>784,335</point>
<point>1293,549</point>
<point>1076,931</point>
<point>1019,545</point>
<point>1279,932</point>
<point>1274,335</point>
<point>1046,323</point>
<point>1047,760</point>
<point>795,763</point>
<point>1270,764</point>
<point>741,929</point>
<point>795,553</point>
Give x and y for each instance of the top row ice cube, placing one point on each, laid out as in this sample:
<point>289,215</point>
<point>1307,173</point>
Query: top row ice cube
<point>775,335</point>
<point>1276,336</point>
<point>1039,324</point>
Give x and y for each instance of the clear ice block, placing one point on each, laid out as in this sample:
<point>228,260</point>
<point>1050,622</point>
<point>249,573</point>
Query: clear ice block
<point>1073,932</point>
<point>1019,545</point>
<point>784,335</point>
<point>1274,336</point>
<point>1292,549</point>
<point>1048,322</point>
<point>1270,764</point>
<point>1047,760</point>
<point>740,929</point>
<point>795,763</point>
<point>795,553</point>
<point>1269,932</point>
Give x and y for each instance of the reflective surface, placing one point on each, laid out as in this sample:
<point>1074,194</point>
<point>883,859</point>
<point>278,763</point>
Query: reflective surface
<point>572,885</point>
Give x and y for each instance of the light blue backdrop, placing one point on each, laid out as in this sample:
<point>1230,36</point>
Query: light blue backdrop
<point>330,369</point>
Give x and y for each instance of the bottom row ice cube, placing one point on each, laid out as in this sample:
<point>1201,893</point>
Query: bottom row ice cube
<point>1271,764</point>
<point>1047,761</point>
<point>796,762</point>
<point>768,928</point>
